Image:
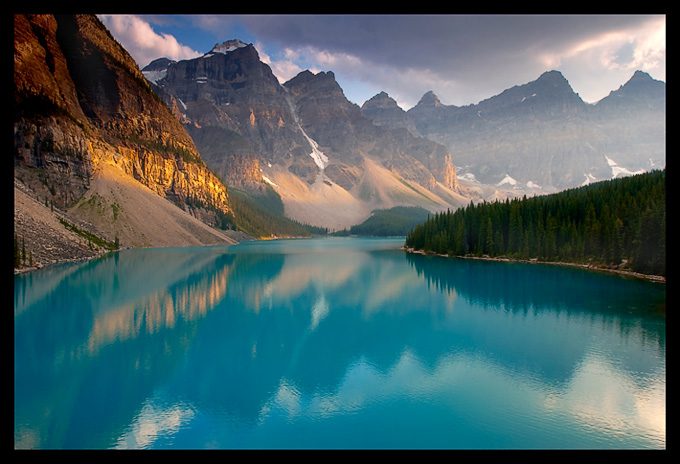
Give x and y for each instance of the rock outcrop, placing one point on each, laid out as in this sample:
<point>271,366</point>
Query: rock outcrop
<point>80,100</point>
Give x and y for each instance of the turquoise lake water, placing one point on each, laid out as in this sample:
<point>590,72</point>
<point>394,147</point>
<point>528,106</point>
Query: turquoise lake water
<point>342,343</point>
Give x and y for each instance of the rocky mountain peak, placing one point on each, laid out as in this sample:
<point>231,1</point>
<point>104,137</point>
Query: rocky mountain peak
<point>381,100</point>
<point>158,64</point>
<point>554,77</point>
<point>429,99</point>
<point>226,47</point>
<point>320,79</point>
<point>551,88</point>
<point>642,85</point>
<point>554,83</point>
<point>640,94</point>
<point>321,89</point>
<point>383,110</point>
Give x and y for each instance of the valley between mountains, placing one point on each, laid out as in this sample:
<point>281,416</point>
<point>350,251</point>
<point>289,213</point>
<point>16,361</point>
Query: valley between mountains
<point>214,150</point>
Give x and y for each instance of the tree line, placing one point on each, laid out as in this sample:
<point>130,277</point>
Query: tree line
<point>262,216</point>
<point>392,222</point>
<point>610,223</point>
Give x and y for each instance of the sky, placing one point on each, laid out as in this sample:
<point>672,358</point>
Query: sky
<point>463,59</point>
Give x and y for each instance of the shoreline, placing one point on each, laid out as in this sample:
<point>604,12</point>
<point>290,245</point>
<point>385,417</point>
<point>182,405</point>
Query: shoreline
<point>589,267</point>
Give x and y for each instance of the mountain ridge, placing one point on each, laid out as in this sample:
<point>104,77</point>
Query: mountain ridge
<point>314,147</point>
<point>181,131</point>
<point>543,134</point>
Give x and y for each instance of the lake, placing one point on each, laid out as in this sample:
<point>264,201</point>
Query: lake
<point>340,343</point>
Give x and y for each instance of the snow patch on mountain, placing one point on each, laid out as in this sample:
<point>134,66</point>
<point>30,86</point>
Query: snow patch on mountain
<point>317,155</point>
<point>467,176</point>
<point>589,178</point>
<point>155,76</point>
<point>225,47</point>
<point>507,180</point>
<point>619,170</point>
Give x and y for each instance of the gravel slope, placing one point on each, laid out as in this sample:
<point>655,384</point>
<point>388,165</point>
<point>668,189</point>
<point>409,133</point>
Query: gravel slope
<point>115,206</point>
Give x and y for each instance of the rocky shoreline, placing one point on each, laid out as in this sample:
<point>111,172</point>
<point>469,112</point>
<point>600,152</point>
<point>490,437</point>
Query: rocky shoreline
<point>45,240</point>
<point>591,267</point>
<point>39,231</point>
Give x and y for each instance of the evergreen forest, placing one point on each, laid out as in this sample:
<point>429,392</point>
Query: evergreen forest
<point>616,223</point>
<point>392,222</point>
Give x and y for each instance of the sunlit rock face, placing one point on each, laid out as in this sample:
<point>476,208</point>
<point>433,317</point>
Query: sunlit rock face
<point>80,99</point>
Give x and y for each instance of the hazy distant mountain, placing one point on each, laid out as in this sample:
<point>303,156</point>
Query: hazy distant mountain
<point>384,111</point>
<point>540,136</point>
<point>327,161</point>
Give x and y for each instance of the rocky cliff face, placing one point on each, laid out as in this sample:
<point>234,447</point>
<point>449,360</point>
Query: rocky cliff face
<point>541,137</point>
<point>309,142</point>
<point>80,100</point>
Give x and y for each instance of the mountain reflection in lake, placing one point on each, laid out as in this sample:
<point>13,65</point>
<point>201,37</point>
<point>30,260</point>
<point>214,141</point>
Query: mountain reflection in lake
<point>335,343</point>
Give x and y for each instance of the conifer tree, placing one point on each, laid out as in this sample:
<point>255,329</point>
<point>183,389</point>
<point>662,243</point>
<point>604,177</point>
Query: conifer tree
<point>608,222</point>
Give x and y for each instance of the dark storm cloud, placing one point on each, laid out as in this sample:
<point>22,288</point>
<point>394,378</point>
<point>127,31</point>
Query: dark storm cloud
<point>436,42</point>
<point>474,57</point>
<point>462,58</point>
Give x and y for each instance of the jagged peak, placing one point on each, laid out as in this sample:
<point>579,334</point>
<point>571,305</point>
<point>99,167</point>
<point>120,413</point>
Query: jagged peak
<point>226,47</point>
<point>554,79</point>
<point>158,64</point>
<point>640,74</point>
<point>308,76</point>
<point>429,99</point>
<point>382,100</point>
<point>552,75</point>
<point>640,85</point>
<point>548,85</point>
<point>642,78</point>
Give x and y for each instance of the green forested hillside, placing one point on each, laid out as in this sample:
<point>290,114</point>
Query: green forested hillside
<point>607,223</point>
<point>391,222</point>
<point>262,217</point>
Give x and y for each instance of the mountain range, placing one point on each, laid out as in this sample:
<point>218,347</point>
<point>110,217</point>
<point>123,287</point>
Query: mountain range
<point>329,163</point>
<point>102,141</point>
<point>541,137</point>
<point>319,150</point>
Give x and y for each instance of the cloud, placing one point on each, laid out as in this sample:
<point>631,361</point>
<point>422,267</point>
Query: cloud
<point>465,59</point>
<point>601,62</point>
<point>462,58</point>
<point>284,69</point>
<point>142,42</point>
<point>633,48</point>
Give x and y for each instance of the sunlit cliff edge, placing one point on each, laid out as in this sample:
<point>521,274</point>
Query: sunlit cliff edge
<point>98,151</point>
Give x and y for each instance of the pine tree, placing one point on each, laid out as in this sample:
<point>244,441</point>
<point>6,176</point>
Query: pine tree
<point>608,222</point>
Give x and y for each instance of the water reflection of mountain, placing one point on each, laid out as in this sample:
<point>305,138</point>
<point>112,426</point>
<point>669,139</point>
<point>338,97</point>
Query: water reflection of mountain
<point>113,327</point>
<point>306,326</point>
<point>227,329</point>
